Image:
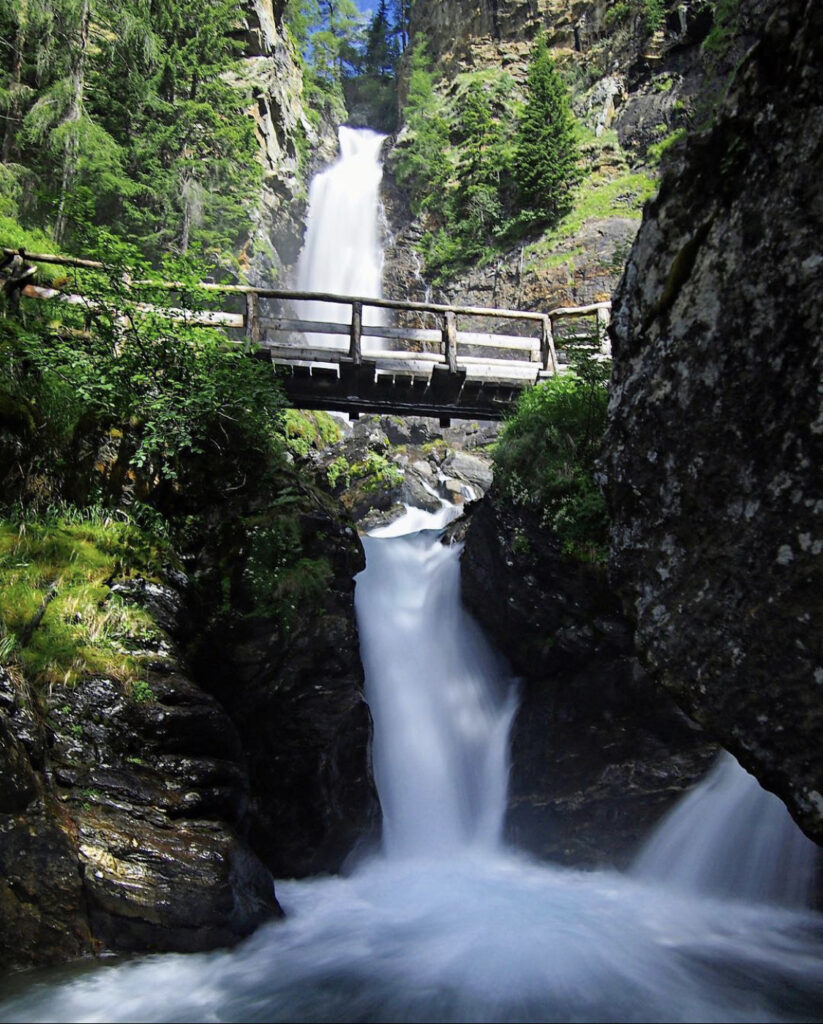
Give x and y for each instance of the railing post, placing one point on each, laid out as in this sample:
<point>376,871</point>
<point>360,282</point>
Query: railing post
<point>603,318</point>
<point>356,327</point>
<point>450,341</point>
<point>547,352</point>
<point>253,317</point>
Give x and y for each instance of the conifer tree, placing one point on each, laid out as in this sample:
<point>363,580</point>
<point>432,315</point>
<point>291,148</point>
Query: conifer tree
<point>546,153</point>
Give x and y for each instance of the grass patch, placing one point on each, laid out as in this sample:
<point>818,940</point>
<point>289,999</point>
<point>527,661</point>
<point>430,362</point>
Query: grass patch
<point>58,615</point>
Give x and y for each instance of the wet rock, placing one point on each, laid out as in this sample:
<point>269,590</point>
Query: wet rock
<point>598,755</point>
<point>472,469</point>
<point>294,690</point>
<point>119,807</point>
<point>714,447</point>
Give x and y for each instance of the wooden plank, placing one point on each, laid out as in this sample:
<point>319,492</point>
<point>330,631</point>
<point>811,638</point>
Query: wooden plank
<point>450,341</point>
<point>253,318</point>
<point>399,354</point>
<point>306,354</point>
<point>200,317</point>
<point>508,341</point>
<point>283,324</point>
<point>502,371</point>
<point>579,310</point>
<point>403,333</point>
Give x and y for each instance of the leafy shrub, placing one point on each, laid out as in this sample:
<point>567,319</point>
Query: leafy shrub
<point>165,393</point>
<point>544,459</point>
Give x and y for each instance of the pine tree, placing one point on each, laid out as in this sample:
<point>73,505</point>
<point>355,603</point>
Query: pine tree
<point>546,156</point>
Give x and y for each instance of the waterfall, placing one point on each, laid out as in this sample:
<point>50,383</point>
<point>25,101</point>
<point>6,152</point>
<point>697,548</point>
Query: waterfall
<point>342,252</point>
<point>446,923</point>
<point>438,698</point>
<point>730,837</point>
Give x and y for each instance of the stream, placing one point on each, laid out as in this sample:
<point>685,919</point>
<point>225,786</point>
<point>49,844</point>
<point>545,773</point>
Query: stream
<point>446,923</point>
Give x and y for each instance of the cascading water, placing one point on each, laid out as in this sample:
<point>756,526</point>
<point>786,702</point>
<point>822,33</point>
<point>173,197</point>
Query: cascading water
<point>445,924</point>
<point>435,690</point>
<point>729,837</point>
<point>342,253</point>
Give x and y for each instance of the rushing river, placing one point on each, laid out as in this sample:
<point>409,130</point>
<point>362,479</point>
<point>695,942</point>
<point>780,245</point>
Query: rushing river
<point>447,924</point>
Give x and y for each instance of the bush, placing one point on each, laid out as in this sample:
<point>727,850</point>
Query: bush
<point>544,459</point>
<point>160,395</point>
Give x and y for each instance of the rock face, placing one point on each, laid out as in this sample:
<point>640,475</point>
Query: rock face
<point>597,754</point>
<point>290,144</point>
<point>294,689</point>
<point>119,817</point>
<point>716,427</point>
<point>630,89</point>
<point>387,462</point>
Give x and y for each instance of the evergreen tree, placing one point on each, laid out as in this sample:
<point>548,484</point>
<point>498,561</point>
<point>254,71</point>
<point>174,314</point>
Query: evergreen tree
<point>546,155</point>
<point>381,53</point>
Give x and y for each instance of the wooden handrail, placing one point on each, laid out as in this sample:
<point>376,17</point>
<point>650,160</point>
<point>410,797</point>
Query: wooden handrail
<point>535,356</point>
<point>301,296</point>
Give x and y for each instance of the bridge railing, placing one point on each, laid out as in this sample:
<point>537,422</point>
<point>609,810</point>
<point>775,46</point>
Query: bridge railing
<point>351,338</point>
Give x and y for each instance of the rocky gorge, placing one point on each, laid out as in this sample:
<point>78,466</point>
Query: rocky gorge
<point>154,818</point>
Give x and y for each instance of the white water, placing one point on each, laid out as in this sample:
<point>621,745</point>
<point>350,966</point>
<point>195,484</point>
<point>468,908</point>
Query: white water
<point>342,253</point>
<point>438,696</point>
<point>729,837</point>
<point>446,924</point>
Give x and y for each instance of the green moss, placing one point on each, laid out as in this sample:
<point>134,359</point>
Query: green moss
<point>306,430</point>
<point>62,571</point>
<point>599,198</point>
<point>657,149</point>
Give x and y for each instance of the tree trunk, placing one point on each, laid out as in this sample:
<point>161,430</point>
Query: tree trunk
<point>78,86</point>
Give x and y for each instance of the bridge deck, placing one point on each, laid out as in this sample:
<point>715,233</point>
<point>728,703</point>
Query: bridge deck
<point>339,352</point>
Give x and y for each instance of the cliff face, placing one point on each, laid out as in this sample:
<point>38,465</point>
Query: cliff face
<point>630,87</point>
<point>597,756</point>
<point>120,810</point>
<point>290,144</point>
<point>715,445</point>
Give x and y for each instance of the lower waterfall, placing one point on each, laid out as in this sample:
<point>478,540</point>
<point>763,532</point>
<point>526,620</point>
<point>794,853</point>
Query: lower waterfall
<point>446,924</point>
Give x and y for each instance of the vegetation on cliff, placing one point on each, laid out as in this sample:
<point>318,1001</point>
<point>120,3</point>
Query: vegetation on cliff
<point>545,457</point>
<point>483,165</point>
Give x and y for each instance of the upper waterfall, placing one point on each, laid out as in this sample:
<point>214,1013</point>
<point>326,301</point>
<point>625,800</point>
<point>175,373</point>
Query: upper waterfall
<point>343,253</point>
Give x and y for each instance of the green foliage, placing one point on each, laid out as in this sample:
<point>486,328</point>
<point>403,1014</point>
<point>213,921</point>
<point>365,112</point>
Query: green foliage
<point>127,115</point>
<point>141,691</point>
<point>455,162</point>
<point>648,14</point>
<point>167,393</point>
<point>725,25</point>
<point>546,151</point>
<point>544,459</point>
<point>339,471</point>
<point>282,581</point>
<point>306,430</point>
<point>61,571</point>
<point>422,166</point>
<point>481,168</point>
<point>375,471</point>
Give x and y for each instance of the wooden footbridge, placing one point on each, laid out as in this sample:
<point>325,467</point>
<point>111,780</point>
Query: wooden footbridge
<point>359,354</point>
